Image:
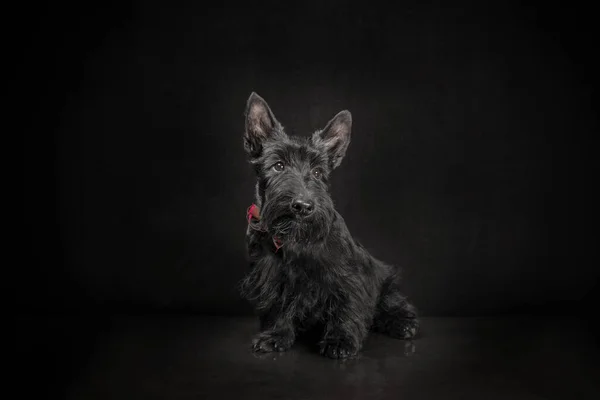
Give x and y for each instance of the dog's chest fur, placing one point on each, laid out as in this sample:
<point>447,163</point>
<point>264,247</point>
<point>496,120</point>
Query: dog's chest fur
<point>309,281</point>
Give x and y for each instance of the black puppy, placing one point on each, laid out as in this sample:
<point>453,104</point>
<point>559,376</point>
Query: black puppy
<point>305,267</point>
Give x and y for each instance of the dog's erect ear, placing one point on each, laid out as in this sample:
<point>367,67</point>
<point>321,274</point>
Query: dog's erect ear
<point>335,137</point>
<point>260,125</point>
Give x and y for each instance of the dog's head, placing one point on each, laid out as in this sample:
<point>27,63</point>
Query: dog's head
<point>293,172</point>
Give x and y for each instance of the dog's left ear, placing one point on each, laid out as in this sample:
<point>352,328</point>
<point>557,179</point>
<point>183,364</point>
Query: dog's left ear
<point>335,137</point>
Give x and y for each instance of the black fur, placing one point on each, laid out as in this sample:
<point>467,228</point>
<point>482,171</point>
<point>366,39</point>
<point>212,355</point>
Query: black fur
<point>321,276</point>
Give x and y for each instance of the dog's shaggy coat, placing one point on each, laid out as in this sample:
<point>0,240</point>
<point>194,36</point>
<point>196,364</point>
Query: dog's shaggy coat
<point>320,276</point>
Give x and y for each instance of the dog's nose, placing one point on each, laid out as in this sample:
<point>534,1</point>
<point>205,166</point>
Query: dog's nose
<point>303,207</point>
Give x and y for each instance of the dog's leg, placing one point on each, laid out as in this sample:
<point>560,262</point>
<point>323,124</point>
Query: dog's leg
<point>277,333</point>
<point>395,316</point>
<point>344,333</point>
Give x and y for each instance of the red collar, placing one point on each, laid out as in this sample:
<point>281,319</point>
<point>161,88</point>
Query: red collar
<point>253,214</point>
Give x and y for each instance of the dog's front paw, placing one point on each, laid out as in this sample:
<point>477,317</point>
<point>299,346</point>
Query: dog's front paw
<point>338,348</point>
<point>267,342</point>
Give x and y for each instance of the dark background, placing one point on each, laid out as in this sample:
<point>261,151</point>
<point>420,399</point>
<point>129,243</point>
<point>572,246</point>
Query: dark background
<point>470,164</point>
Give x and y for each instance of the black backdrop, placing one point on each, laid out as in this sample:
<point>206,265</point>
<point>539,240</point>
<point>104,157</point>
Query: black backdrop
<point>469,166</point>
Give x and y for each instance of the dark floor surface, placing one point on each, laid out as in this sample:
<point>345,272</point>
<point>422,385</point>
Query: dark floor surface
<point>184,357</point>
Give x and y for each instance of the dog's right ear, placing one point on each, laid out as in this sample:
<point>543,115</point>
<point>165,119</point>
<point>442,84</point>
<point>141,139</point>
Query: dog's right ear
<point>260,125</point>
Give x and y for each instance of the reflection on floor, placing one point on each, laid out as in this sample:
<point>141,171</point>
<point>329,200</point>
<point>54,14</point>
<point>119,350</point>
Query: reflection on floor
<point>180,357</point>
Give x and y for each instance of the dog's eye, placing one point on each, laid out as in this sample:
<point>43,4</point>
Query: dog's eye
<point>317,173</point>
<point>278,166</point>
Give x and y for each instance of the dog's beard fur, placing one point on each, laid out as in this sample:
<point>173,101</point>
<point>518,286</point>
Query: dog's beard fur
<point>280,222</point>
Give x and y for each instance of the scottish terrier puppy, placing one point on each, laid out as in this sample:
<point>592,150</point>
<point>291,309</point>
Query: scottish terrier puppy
<point>306,270</point>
